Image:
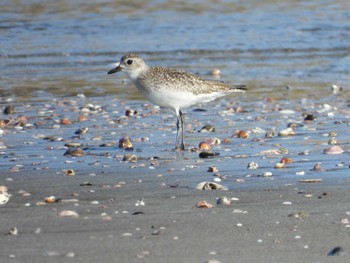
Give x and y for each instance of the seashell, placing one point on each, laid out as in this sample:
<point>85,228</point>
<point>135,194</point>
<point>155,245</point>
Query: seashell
<point>131,158</point>
<point>10,109</point>
<point>72,144</point>
<point>125,143</point>
<point>82,130</point>
<point>269,134</point>
<point>272,152</point>
<point>4,198</point>
<point>65,121</point>
<point>295,125</point>
<point>279,165</point>
<point>332,141</point>
<point>242,134</point>
<point>317,167</point>
<point>286,160</point>
<point>335,149</point>
<point>336,89</point>
<point>74,152</point>
<point>213,169</point>
<point>267,174</point>
<point>3,189</point>
<point>82,118</point>
<point>208,154</point>
<point>69,172</point>
<point>215,72</point>
<point>223,201</point>
<point>13,231</point>
<point>4,123</point>
<point>207,128</point>
<point>252,166</point>
<point>310,117</point>
<point>212,141</point>
<point>50,199</point>
<point>210,186</point>
<point>69,213</point>
<point>204,146</point>
<point>286,132</point>
<point>287,111</point>
<point>204,204</point>
<point>310,181</point>
<point>130,113</point>
<point>299,215</point>
<point>226,140</point>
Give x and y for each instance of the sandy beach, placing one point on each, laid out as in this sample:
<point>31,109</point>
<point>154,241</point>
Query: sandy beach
<point>146,218</point>
<point>88,171</point>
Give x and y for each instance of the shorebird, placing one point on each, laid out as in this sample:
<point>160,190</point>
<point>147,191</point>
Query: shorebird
<point>172,88</point>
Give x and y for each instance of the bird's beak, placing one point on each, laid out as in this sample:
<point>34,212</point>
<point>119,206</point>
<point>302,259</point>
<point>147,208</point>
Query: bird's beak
<point>115,70</point>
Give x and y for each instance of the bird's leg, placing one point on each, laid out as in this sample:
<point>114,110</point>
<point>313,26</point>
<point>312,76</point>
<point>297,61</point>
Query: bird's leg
<point>182,147</point>
<point>179,126</point>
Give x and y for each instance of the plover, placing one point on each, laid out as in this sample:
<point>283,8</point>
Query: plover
<point>172,88</point>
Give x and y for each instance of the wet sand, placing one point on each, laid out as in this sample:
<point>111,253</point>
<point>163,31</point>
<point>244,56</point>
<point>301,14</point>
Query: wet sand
<point>128,216</point>
<point>145,211</point>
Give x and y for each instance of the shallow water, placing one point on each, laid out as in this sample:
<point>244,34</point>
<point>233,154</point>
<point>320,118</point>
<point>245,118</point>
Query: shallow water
<point>52,51</point>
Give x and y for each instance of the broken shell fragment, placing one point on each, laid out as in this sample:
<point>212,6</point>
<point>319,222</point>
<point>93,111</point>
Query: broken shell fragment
<point>65,121</point>
<point>204,204</point>
<point>310,181</point>
<point>213,169</point>
<point>210,186</point>
<point>286,160</point>
<point>69,172</point>
<point>208,154</point>
<point>130,113</point>
<point>317,167</point>
<point>252,165</point>
<point>279,165</point>
<point>207,128</point>
<point>223,201</point>
<point>69,213</point>
<point>335,149</point>
<point>131,158</point>
<point>10,109</point>
<point>50,199</point>
<point>82,130</point>
<point>13,231</point>
<point>4,198</point>
<point>125,143</point>
<point>286,132</point>
<point>74,152</point>
<point>72,144</point>
<point>204,146</point>
<point>269,134</point>
<point>242,134</point>
<point>212,141</point>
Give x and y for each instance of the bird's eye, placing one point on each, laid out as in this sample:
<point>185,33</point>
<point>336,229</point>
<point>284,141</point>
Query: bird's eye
<point>129,61</point>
